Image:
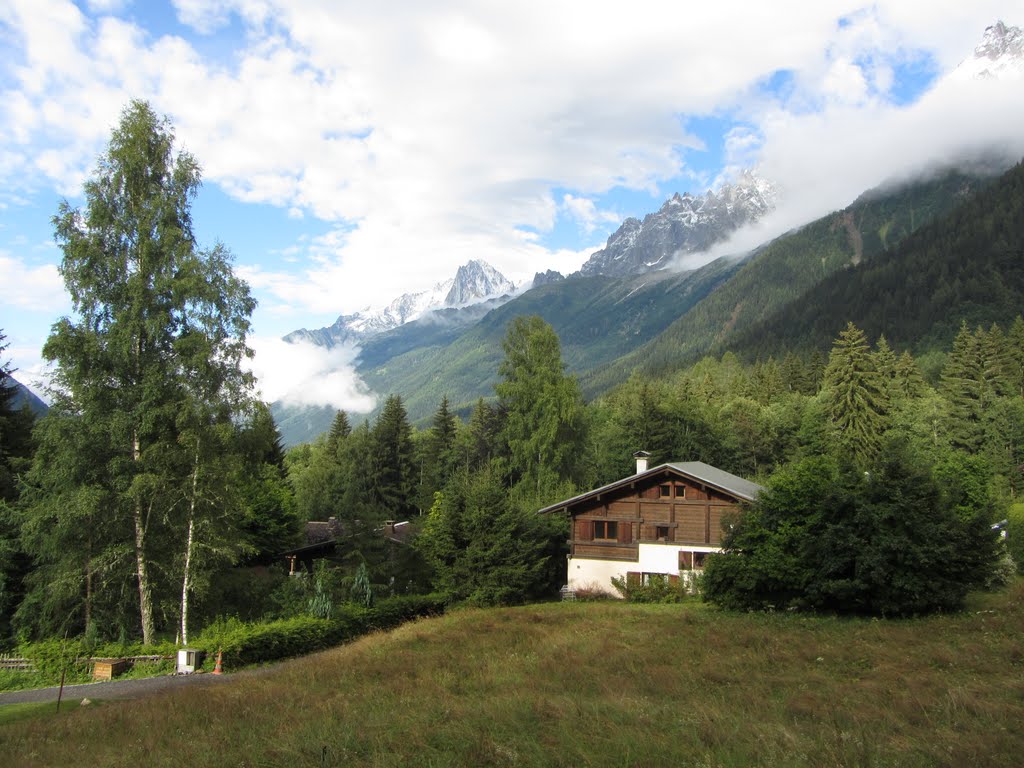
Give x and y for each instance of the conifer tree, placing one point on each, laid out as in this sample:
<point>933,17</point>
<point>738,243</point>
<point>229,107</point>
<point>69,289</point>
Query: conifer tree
<point>907,379</point>
<point>1015,355</point>
<point>394,473</point>
<point>340,429</point>
<point>795,377</point>
<point>855,397</point>
<point>484,549</point>
<point>544,407</point>
<point>483,437</point>
<point>885,363</point>
<point>439,452</point>
<point>16,448</point>
<point>964,385</point>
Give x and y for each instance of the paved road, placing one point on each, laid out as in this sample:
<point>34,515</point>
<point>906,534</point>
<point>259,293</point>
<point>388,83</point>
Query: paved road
<point>115,689</point>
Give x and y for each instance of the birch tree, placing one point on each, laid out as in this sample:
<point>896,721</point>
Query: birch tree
<point>152,351</point>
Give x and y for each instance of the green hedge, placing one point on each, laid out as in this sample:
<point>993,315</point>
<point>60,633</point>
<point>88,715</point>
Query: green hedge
<point>242,644</point>
<point>51,656</point>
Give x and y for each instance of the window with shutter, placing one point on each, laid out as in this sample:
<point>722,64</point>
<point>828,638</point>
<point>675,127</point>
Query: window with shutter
<point>585,530</point>
<point>625,533</point>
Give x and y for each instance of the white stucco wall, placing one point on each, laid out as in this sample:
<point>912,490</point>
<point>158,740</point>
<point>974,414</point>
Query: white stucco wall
<point>596,574</point>
<point>658,558</point>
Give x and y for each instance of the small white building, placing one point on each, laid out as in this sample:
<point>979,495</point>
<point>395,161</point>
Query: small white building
<point>663,520</point>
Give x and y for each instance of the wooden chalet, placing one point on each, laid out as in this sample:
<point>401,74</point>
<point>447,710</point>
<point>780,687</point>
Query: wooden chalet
<point>663,520</point>
<point>323,540</point>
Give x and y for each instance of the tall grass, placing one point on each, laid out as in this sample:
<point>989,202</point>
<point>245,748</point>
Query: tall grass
<point>597,684</point>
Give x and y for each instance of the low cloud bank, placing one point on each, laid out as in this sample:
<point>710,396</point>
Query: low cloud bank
<point>304,374</point>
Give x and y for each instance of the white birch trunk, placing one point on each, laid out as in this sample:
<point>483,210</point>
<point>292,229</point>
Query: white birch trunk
<point>145,593</point>
<point>186,581</point>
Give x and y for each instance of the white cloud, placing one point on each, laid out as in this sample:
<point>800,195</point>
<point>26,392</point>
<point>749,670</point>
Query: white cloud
<point>587,214</point>
<point>106,6</point>
<point>307,374</point>
<point>35,288</point>
<point>437,132</point>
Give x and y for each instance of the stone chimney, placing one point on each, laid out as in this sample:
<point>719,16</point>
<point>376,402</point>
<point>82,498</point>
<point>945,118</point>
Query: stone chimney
<point>641,461</point>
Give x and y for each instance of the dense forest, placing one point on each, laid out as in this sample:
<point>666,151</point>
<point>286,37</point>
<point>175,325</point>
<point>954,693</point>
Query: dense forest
<point>155,496</point>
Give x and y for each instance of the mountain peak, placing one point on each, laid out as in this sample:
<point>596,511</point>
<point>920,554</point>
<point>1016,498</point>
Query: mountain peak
<point>999,55</point>
<point>684,224</point>
<point>474,282</point>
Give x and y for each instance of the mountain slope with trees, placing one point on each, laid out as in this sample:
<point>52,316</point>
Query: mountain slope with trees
<point>597,319</point>
<point>966,266</point>
<point>782,270</point>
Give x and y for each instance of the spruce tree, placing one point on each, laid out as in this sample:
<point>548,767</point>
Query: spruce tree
<point>907,379</point>
<point>544,407</point>
<point>855,397</point>
<point>439,455</point>
<point>963,387</point>
<point>1015,355</point>
<point>340,429</point>
<point>393,470</point>
<point>885,363</point>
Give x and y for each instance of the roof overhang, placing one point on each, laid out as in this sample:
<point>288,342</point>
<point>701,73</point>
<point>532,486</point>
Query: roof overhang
<point>704,474</point>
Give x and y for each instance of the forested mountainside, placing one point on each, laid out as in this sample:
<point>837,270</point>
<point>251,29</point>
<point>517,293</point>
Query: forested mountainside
<point>657,322</point>
<point>786,268</point>
<point>967,266</point>
<point>597,319</point>
<point>25,396</point>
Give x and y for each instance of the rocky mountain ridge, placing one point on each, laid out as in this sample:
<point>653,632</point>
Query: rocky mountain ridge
<point>999,55</point>
<point>684,224</point>
<point>474,282</point>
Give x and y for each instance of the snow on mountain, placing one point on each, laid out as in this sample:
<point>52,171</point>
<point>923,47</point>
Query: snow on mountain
<point>684,224</point>
<point>999,56</point>
<point>473,283</point>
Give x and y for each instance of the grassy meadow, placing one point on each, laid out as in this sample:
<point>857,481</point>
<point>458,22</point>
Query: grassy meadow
<point>591,684</point>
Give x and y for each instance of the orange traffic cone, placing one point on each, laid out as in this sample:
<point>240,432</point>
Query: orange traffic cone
<point>217,670</point>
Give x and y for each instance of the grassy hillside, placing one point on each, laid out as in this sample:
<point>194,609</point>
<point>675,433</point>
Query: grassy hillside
<point>596,685</point>
<point>783,270</point>
<point>966,265</point>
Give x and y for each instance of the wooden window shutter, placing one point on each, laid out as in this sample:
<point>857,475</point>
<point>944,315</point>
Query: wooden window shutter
<point>625,533</point>
<point>585,530</point>
<point>673,578</point>
<point>633,578</point>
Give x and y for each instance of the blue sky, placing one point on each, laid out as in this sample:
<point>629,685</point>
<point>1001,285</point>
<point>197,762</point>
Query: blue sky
<point>356,151</point>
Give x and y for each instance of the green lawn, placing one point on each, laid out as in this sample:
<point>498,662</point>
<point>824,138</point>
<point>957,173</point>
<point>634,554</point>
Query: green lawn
<point>592,684</point>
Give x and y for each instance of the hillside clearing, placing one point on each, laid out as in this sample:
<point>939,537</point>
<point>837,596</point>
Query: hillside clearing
<point>593,684</point>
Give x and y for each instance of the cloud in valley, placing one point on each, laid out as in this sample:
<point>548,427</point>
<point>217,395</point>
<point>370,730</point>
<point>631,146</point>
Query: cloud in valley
<point>306,374</point>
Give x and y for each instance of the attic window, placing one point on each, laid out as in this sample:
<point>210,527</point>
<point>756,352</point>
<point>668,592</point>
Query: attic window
<point>666,491</point>
<point>606,530</point>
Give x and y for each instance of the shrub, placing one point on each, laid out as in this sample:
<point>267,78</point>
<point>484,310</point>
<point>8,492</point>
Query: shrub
<point>887,542</point>
<point>591,593</point>
<point>244,644</point>
<point>658,589</point>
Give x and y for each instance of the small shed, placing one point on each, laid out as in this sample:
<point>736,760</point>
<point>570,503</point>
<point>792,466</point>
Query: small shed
<point>189,660</point>
<point>108,669</point>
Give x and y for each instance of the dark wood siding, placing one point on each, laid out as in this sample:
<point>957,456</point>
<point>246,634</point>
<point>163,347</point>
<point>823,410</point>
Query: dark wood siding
<point>690,514</point>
